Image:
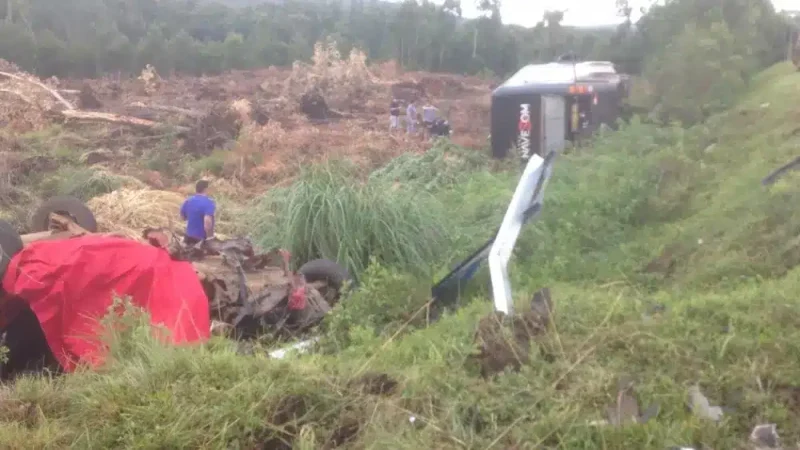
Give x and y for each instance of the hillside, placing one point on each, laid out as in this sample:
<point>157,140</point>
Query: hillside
<point>669,266</point>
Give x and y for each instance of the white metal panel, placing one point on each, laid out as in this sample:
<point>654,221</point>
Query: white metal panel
<point>553,124</point>
<point>509,231</point>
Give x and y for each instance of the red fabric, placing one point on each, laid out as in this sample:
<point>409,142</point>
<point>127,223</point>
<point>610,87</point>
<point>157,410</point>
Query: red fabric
<point>297,299</point>
<point>70,284</point>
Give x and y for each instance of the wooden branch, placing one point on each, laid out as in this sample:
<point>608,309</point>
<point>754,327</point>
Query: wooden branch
<point>38,83</point>
<point>17,94</point>
<point>174,109</point>
<point>91,116</point>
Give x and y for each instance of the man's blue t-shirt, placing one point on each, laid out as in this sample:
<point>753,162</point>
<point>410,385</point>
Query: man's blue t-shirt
<point>194,209</point>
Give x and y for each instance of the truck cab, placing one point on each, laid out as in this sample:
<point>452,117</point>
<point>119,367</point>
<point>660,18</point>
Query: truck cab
<point>592,92</point>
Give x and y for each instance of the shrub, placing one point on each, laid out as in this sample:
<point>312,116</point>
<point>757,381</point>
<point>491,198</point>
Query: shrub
<point>328,214</point>
<point>83,182</point>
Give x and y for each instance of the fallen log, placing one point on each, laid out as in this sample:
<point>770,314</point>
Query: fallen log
<point>92,116</point>
<point>18,95</point>
<point>52,92</point>
<point>167,108</point>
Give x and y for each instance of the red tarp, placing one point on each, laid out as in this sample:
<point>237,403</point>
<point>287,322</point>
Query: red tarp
<point>70,284</point>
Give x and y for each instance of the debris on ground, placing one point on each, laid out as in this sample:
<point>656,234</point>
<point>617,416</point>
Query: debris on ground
<point>653,312</point>
<point>765,437</point>
<point>314,106</point>
<point>97,156</point>
<point>505,341</point>
<point>375,384</point>
<point>701,406</point>
<point>214,130</point>
<point>626,408</point>
<point>789,395</point>
<point>347,431</point>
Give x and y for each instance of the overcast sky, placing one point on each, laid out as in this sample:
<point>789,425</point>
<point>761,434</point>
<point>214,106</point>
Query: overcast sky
<point>579,12</point>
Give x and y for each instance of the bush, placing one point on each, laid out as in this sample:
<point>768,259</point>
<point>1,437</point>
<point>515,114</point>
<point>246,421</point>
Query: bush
<point>327,213</point>
<point>700,73</point>
<point>81,182</point>
<point>442,166</point>
<point>213,164</point>
<point>384,303</point>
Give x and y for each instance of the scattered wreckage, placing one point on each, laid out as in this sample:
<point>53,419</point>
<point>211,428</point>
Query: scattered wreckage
<point>65,266</point>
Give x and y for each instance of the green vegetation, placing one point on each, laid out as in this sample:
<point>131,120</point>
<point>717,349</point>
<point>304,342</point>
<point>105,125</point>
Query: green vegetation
<point>51,37</point>
<point>329,213</point>
<point>669,264</point>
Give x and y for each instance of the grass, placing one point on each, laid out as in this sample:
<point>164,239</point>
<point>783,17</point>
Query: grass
<point>669,265</point>
<point>329,213</point>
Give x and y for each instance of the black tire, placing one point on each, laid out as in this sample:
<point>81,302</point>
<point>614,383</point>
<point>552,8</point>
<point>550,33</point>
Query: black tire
<point>325,270</point>
<point>10,245</point>
<point>67,206</point>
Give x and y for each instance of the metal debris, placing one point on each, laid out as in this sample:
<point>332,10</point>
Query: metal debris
<point>626,408</point>
<point>765,437</point>
<point>701,406</point>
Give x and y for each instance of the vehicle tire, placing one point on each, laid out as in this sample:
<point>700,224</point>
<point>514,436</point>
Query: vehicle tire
<point>10,245</point>
<point>325,270</point>
<point>67,206</point>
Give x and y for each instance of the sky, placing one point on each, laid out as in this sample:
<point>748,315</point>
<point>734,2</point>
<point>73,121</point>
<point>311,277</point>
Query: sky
<point>578,12</point>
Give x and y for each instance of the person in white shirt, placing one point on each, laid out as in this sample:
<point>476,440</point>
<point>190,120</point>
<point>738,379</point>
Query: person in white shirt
<point>411,118</point>
<point>394,114</point>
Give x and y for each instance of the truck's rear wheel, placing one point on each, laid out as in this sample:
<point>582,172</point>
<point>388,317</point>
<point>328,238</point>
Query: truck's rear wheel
<point>10,245</point>
<point>328,271</point>
<point>67,206</point>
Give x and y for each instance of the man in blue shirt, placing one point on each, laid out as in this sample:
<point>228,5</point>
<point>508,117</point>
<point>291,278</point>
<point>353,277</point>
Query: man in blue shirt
<point>198,212</point>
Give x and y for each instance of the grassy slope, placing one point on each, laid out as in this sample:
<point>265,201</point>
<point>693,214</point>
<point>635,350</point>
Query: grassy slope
<point>640,197</point>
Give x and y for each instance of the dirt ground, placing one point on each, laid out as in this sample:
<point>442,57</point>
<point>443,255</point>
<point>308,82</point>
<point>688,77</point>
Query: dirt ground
<point>265,124</point>
<point>281,137</point>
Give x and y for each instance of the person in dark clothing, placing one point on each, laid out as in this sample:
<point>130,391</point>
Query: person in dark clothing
<point>198,212</point>
<point>394,114</point>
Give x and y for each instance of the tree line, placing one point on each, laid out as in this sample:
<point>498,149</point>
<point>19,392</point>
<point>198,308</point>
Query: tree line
<point>700,49</point>
<point>85,38</point>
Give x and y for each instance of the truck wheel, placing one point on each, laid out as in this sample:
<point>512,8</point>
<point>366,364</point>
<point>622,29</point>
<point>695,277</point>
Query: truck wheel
<point>10,245</point>
<point>326,270</point>
<point>64,205</point>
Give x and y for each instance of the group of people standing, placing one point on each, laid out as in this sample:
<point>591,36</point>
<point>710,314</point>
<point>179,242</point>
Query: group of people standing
<point>413,118</point>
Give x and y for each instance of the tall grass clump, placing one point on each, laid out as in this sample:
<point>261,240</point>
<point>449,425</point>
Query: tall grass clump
<point>86,183</point>
<point>329,213</point>
<point>441,167</point>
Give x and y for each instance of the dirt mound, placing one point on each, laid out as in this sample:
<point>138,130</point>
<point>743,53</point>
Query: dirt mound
<point>314,106</point>
<point>408,91</point>
<point>87,99</point>
<point>216,129</point>
<point>505,341</point>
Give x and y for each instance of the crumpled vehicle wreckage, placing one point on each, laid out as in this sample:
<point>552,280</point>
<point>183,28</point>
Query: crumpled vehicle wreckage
<point>61,280</point>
